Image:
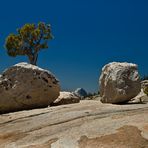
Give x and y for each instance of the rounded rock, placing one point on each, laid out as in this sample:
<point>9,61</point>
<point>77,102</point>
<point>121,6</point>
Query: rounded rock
<point>66,98</point>
<point>119,82</point>
<point>25,86</point>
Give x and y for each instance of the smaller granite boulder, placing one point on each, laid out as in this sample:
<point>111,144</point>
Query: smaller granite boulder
<point>119,82</point>
<point>66,98</point>
<point>80,92</point>
<point>140,98</point>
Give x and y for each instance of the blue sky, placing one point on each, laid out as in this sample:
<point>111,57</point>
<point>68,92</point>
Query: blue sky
<point>88,34</point>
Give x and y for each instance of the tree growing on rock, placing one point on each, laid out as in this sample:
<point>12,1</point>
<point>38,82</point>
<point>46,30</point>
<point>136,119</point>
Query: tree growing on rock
<point>29,40</point>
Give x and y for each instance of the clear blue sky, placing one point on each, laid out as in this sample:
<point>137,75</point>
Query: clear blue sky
<point>88,34</point>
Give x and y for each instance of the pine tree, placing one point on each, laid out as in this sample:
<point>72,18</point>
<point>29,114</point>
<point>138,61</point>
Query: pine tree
<point>29,40</point>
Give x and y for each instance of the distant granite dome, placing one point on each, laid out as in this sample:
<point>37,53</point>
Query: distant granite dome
<point>80,92</point>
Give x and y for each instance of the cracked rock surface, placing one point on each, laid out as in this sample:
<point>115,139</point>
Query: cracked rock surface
<point>88,124</point>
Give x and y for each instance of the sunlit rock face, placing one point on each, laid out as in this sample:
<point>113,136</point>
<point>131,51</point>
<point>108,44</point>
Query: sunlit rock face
<point>119,82</point>
<point>66,98</point>
<point>25,86</point>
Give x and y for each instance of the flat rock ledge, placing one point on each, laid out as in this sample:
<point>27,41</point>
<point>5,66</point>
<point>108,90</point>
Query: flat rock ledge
<point>88,124</point>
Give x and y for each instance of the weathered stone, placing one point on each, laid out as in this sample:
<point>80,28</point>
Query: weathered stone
<point>119,82</point>
<point>140,98</point>
<point>66,98</point>
<point>25,86</point>
<point>144,83</point>
<point>88,124</point>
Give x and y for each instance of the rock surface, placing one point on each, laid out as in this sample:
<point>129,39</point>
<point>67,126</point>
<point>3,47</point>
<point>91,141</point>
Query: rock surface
<point>66,98</point>
<point>88,124</point>
<point>25,86</point>
<point>80,92</point>
<point>144,85</point>
<point>140,98</point>
<point>119,82</point>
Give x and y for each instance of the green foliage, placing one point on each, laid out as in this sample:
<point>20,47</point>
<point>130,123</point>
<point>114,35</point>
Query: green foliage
<point>29,40</point>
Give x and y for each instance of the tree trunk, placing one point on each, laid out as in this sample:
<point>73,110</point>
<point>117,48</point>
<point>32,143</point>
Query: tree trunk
<point>33,58</point>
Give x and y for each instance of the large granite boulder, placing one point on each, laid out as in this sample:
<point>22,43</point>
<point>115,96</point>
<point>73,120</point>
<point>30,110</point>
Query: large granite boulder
<point>119,82</point>
<point>80,92</point>
<point>66,98</point>
<point>25,86</point>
